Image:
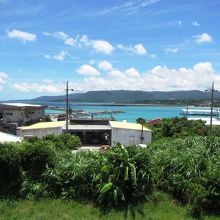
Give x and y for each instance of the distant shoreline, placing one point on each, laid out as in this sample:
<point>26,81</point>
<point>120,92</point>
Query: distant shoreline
<point>121,104</point>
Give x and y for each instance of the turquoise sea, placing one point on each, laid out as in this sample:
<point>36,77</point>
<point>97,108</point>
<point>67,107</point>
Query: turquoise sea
<point>131,112</point>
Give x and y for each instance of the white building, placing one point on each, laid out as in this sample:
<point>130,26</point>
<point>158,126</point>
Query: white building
<point>41,129</point>
<point>129,133</point>
<point>93,135</point>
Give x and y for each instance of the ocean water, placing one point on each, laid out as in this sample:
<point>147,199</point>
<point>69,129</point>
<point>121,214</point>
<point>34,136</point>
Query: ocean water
<point>131,112</point>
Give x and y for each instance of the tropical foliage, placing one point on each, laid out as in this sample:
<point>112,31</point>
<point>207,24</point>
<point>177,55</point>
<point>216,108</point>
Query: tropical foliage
<point>188,169</point>
<point>179,127</point>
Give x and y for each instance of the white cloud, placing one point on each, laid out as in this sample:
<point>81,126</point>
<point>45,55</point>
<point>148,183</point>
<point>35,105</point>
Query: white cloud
<point>60,56</point>
<point>116,74</point>
<point>105,65</point>
<point>195,24</point>
<point>3,77</point>
<point>159,78</point>
<point>172,50</point>
<point>44,87</point>
<point>85,40</point>
<point>102,46</point>
<point>132,72</point>
<point>203,38</point>
<point>139,49</point>
<point>62,36</point>
<point>22,36</point>
<point>88,70</point>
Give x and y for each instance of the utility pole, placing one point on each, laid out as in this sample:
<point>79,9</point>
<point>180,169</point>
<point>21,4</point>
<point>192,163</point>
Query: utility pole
<point>67,105</point>
<point>212,90</point>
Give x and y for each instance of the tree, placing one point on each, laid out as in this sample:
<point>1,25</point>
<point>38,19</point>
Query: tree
<point>141,121</point>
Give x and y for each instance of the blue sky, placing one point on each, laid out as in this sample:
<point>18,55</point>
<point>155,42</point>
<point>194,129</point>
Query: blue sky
<point>103,45</point>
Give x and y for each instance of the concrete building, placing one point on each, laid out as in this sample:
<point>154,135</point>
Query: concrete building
<point>20,112</point>
<point>93,135</point>
<point>129,133</point>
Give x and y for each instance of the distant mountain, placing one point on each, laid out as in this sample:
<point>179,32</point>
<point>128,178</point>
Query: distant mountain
<point>127,96</point>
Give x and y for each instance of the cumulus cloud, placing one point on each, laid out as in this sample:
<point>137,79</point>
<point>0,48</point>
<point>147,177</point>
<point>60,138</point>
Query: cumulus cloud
<point>88,70</point>
<point>116,74</point>
<point>22,35</point>
<point>195,24</point>
<point>102,46</point>
<point>138,49</point>
<point>203,38</point>
<point>105,65</point>
<point>159,78</point>
<point>44,87</point>
<point>132,72</point>
<point>172,50</point>
<point>60,56</point>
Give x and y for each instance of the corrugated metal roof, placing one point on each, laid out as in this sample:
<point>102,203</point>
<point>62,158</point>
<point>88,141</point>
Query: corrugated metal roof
<point>89,127</point>
<point>42,125</point>
<point>127,125</point>
<point>4,137</point>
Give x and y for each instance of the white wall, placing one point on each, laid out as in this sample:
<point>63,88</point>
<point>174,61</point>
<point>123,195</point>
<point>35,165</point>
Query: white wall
<point>130,136</point>
<point>39,132</point>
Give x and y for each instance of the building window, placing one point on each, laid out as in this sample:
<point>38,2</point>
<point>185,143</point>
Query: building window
<point>8,113</point>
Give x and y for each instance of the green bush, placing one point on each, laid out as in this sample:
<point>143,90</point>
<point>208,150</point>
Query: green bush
<point>189,169</point>
<point>179,127</point>
<point>116,178</point>
<point>64,141</point>
<point>10,169</point>
<point>36,157</point>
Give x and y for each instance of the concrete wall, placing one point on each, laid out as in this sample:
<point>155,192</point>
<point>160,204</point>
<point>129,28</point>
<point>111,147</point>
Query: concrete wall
<point>14,115</point>
<point>39,132</point>
<point>129,136</point>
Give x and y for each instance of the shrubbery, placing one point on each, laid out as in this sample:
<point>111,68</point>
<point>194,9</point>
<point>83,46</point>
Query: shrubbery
<point>10,170</point>
<point>36,157</point>
<point>189,169</point>
<point>64,141</point>
<point>179,128</point>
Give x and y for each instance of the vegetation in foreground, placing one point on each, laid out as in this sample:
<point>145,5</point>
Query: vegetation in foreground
<point>121,178</point>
